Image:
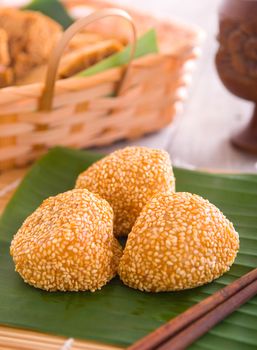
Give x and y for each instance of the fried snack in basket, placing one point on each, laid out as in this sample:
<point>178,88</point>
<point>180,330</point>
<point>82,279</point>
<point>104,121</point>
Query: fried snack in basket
<point>6,75</point>
<point>31,38</point>
<point>87,55</point>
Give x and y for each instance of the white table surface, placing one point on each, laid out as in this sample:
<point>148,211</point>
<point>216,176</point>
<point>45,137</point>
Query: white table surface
<point>199,137</point>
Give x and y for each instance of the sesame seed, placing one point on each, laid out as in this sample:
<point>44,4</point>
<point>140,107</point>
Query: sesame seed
<point>127,179</point>
<point>67,243</point>
<point>166,260</point>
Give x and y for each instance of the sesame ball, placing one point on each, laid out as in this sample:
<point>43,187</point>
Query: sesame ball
<point>67,244</point>
<point>127,179</point>
<point>179,241</point>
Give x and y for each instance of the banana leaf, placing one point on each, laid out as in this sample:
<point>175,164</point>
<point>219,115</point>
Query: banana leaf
<point>145,45</point>
<point>117,314</point>
<point>53,9</point>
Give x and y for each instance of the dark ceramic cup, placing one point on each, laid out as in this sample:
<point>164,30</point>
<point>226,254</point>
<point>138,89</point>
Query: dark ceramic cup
<point>236,60</point>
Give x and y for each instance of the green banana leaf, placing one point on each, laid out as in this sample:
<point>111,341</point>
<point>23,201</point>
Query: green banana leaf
<point>117,314</point>
<point>145,45</point>
<point>53,9</point>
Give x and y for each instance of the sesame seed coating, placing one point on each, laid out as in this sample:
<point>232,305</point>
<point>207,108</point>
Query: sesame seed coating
<point>127,179</point>
<point>67,243</point>
<point>179,241</point>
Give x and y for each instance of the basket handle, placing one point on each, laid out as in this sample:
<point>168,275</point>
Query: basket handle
<point>46,99</point>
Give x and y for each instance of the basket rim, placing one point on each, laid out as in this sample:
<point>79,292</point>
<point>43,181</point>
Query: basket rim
<point>89,81</point>
<point>196,33</point>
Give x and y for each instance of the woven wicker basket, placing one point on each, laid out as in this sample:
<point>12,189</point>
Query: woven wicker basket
<point>88,111</point>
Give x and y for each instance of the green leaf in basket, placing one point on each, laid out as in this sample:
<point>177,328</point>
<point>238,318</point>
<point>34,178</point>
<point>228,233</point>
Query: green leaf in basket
<point>117,314</point>
<point>53,9</point>
<point>145,45</point>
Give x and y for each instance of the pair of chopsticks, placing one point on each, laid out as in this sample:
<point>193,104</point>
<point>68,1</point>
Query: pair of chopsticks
<point>183,330</point>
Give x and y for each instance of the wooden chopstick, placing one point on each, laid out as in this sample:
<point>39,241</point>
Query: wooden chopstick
<point>188,335</point>
<point>184,329</point>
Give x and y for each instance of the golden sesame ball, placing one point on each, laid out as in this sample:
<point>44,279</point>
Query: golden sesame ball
<point>67,244</point>
<point>127,179</point>
<point>179,241</point>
